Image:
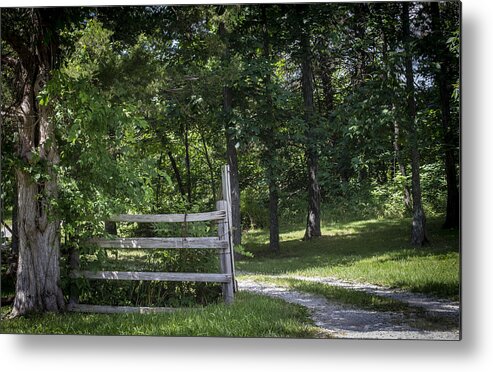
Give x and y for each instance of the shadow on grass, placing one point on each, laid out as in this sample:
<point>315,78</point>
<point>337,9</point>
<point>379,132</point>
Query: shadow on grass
<point>375,251</point>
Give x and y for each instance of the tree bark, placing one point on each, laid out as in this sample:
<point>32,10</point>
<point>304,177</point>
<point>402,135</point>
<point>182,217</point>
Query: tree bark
<point>15,229</point>
<point>14,256</point>
<point>418,230</point>
<point>38,274</point>
<point>270,144</point>
<point>313,217</point>
<point>231,153</point>
<point>400,164</point>
<point>232,157</point>
<point>443,57</point>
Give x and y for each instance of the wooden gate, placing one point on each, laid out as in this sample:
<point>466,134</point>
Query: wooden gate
<point>223,243</point>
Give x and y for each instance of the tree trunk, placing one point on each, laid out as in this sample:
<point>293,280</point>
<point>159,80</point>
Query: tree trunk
<point>187,165</point>
<point>15,228</point>
<point>232,157</point>
<point>211,169</point>
<point>14,255</point>
<point>400,164</point>
<point>390,76</point>
<point>418,230</point>
<point>38,273</point>
<point>157,201</point>
<point>231,152</point>
<point>273,218</point>
<point>443,57</point>
<point>177,174</point>
<point>270,145</point>
<point>313,217</point>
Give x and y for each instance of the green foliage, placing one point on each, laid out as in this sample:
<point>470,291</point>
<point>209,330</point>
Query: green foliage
<point>254,208</point>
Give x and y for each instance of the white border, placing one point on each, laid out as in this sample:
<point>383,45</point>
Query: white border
<point>474,353</point>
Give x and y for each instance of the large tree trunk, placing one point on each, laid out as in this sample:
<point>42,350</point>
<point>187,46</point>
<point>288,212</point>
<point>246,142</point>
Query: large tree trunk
<point>38,273</point>
<point>313,217</point>
<point>443,57</point>
<point>418,230</point>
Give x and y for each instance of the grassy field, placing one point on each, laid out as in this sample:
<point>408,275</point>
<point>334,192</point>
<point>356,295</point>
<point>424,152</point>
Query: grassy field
<point>250,316</point>
<point>374,251</point>
<point>371,251</point>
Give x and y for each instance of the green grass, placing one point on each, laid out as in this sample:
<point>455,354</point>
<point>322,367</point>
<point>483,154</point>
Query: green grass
<point>371,251</point>
<point>249,316</point>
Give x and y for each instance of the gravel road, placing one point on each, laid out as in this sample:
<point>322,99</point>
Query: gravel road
<point>344,321</point>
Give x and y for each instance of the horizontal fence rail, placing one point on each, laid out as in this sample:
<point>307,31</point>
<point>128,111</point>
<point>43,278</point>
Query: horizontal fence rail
<point>103,309</point>
<point>160,243</point>
<point>158,276</point>
<point>182,217</point>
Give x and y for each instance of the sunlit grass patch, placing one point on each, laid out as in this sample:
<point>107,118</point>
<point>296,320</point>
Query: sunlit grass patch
<point>249,316</point>
<point>371,251</point>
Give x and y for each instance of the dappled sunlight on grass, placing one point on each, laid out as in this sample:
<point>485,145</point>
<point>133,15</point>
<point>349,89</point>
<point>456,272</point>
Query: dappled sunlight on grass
<point>373,251</point>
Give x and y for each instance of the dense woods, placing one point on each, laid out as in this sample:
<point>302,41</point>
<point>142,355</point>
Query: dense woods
<point>324,111</point>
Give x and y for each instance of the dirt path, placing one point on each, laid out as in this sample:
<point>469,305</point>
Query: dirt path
<point>344,321</point>
<point>434,306</point>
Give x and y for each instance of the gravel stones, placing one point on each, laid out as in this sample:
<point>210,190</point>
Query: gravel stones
<point>345,321</point>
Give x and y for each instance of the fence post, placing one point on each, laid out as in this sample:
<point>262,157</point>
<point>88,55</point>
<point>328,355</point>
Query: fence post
<point>226,191</point>
<point>225,254</point>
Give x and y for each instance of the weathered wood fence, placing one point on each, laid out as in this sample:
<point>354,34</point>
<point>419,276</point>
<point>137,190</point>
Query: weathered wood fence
<point>223,243</point>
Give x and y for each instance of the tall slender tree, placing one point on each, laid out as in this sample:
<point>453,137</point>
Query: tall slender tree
<point>443,58</point>
<point>269,140</point>
<point>388,31</point>
<point>231,153</point>
<point>313,216</point>
<point>418,230</point>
